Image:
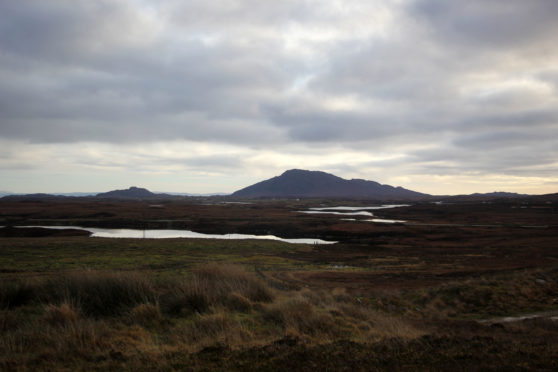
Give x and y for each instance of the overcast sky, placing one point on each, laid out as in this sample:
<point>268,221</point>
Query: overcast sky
<point>200,96</point>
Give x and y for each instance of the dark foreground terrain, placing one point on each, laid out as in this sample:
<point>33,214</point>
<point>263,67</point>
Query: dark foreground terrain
<point>465,286</point>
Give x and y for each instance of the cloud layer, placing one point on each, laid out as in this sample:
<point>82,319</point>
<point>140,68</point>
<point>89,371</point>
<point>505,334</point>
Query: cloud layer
<point>402,92</point>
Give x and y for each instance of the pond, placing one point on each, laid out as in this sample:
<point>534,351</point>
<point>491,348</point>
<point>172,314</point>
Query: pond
<point>168,234</point>
<point>357,211</point>
<point>383,220</point>
<point>344,208</point>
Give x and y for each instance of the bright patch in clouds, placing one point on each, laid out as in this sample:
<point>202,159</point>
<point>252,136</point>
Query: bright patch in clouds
<point>437,96</point>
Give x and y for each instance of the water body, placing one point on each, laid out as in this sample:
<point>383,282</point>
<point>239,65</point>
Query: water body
<point>360,213</point>
<point>168,234</point>
<point>383,220</point>
<point>552,315</point>
<point>377,220</point>
<point>357,211</point>
<point>344,208</point>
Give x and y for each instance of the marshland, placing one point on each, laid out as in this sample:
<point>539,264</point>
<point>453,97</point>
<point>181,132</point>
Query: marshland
<point>429,293</point>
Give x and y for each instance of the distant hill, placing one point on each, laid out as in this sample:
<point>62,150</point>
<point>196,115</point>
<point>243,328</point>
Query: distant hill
<point>130,193</point>
<point>546,198</point>
<point>37,196</point>
<point>75,194</point>
<point>501,194</point>
<point>297,183</point>
<point>45,196</point>
<point>195,194</point>
<point>489,196</point>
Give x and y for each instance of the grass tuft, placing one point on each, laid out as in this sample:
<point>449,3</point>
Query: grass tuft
<point>214,285</point>
<point>101,294</point>
<point>299,316</point>
<point>221,279</point>
<point>237,302</point>
<point>184,299</point>
<point>8,320</point>
<point>217,329</point>
<point>61,315</point>
<point>146,314</point>
<point>16,293</point>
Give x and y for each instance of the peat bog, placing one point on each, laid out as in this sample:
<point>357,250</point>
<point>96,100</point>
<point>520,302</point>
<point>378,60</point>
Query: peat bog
<point>430,293</point>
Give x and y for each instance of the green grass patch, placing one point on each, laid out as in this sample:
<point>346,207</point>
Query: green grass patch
<point>163,256</point>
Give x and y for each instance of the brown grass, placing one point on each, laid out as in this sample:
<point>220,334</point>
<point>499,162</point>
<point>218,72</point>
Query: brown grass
<point>100,294</point>
<point>237,302</point>
<point>61,315</point>
<point>219,328</point>
<point>14,293</point>
<point>221,279</point>
<point>109,318</point>
<point>146,314</point>
<point>216,285</point>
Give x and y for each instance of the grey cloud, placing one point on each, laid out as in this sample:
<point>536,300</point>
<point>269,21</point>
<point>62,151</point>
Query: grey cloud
<point>155,162</point>
<point>217,161</point>
<point>305,122</point>
<point>86,72</point>
<point>313,125</point>
<point>221,72</point>
<point>60,32</point>
<point>389,69</point>
<point>250,12</point>
<point>509,120</point>
<point>490,23</point>
<point>509,138</point>
<point>491,153</point>
<point>174,128</point>
<point>550,77</point>
<point>16,166</point>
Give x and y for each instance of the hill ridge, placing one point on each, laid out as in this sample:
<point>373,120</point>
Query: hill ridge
<point>132,192</point>
<point>299,183</point>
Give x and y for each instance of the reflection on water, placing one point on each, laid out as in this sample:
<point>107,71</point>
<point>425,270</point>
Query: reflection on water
<point>383,220</point>
<point>343,208</point>
<point>357,211</point>
<point>361,213</point>
<point>167,234</point>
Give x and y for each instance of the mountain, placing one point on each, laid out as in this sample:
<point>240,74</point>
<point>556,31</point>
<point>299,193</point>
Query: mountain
<point>546,198</point>
<point>500,194</point>
<point>297,183</point>
<point>45,196</point>
<point>194,194</point>
<point>75,194</point>
<point>131,193</point>
<point>38,196</point>
<point>477,197</point>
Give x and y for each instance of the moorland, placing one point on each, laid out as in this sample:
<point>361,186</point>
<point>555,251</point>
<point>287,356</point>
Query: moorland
<point>463,285</point>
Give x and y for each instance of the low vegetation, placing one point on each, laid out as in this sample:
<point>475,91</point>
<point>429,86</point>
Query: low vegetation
<point>387,297</point>
<point>211,317</point>
<point>102,318</point>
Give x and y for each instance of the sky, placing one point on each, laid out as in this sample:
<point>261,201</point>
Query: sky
<point>437,96</point>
